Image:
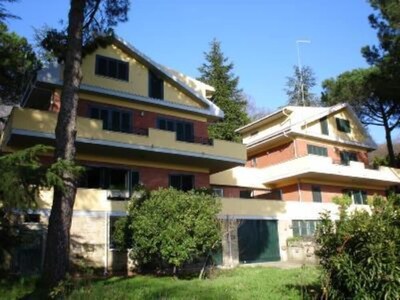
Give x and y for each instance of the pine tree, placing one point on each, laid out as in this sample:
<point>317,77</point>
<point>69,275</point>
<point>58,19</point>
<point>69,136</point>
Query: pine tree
<point>299,86</point>
<point>217,72</point>
<point>85,18</point>
<point>17,66</point>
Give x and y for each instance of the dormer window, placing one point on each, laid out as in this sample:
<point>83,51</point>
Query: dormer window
<point>343,125</point>
<point>111,67</point>
<point>156,86</point>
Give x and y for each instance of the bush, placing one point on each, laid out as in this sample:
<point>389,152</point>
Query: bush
<point>359,253</point>
<point>168,228</point>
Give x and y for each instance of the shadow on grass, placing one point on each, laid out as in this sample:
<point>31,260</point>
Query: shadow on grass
<point>307,291</point>
<point>151,287</point>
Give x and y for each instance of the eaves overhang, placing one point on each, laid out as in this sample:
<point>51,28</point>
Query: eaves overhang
<point>130,97</point>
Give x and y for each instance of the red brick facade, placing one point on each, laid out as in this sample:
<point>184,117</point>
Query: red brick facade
<point>272,156</point>
<point>291,192</point>
<point>142,118</point>
<point>154,178</point>
<point>287,152</point>
<point>328,192</point>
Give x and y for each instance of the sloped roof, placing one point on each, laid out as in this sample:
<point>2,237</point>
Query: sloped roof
<point>51,74</point>
<point>300,115</point>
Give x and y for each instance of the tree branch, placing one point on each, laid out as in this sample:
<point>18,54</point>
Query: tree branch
<point>92,15</point>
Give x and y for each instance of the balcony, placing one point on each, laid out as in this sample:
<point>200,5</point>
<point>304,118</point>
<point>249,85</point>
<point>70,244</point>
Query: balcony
<point>310,167</point>
<point>95,201</point>
<point>314,167</point>
<point>27,127</point>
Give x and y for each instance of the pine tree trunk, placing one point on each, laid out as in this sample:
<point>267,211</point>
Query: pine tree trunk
<point>388,136</point>
<point>56,262</point>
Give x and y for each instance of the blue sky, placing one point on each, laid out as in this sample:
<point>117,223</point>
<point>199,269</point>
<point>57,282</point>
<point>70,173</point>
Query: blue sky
<point>259,36</point>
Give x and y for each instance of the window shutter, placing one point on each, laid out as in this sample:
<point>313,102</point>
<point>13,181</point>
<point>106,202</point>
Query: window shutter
<point>316,194</point>
<point>324,126</point>
<point>125,122</point>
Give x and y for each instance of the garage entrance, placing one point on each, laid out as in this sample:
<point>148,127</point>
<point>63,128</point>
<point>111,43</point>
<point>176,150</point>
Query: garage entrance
<point>258,241</point>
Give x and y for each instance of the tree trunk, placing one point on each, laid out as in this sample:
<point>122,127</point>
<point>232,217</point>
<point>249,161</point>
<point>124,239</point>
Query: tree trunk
<point>388,136</point>
<point>56,262</point>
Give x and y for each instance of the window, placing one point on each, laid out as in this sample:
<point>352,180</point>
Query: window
<point>322,151</point>
<point>305,228</point>
<point>316,193</point>
<point>156,86</point>
<point>346,157</point>
<point>113,119</point>
<point>110,179</point>
<point>218,192</point>
<point>324,126</point>
<point>184,130</point>
<point>111,225</point>
<point>110,67</point>
<point>32,218</point>
<point>181,182</point>
<point>357,196</point>
<point>343,125</point>
<point>246,194</point>
<point>275,194</point>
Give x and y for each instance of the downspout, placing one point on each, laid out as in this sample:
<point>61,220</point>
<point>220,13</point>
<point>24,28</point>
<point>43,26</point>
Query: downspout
<point>295,156</point>
<point>299,191</point>
<point>286,135</point>
<point>106,244</point>
<point>229,241</point>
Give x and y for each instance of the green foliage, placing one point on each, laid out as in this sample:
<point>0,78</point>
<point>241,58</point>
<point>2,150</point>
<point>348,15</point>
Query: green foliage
<point>4,13</point>
<point>301,83</point>
<point>22,175</point>
<point>359,253</point>
<point>384,161</point>
<point>18,65</point>
<point>217,72</point>
<point>366,90</point>
<point>100,16</point>
<point>169,227</point>
<point>386,20</point>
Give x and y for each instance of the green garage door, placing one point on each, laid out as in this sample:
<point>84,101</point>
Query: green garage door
<point>258,241</point>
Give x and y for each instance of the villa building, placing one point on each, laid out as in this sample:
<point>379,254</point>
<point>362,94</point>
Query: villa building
<point>298,160</point>
<point>138,122</point>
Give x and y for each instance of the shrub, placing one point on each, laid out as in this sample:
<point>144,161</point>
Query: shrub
<point>167,228</point>
<point>359,253</point>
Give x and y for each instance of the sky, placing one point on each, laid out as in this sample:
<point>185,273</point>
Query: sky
<point>258,36</point>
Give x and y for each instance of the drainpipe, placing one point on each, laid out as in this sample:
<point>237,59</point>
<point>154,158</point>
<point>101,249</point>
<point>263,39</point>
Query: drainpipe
<point>106,244</point>
<point>229,241</point>
<point>299,190</point>
<point>286,135</point>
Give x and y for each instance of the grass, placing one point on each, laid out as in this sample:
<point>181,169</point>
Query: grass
<point>240,283</point>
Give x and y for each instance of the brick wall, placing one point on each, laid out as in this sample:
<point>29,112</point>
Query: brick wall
<point>144,119</point>
<point>328,192</point>
<point>272,156</point>
<point>333,151</point>
<point>286,152</point>
<point>154,178</point>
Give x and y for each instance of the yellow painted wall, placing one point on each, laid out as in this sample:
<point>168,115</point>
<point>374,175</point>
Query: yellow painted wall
<point>265,130</point>
<point>138,77</point>
<point>43,121</point>
<point>171,93</point>
<point>356,134</point>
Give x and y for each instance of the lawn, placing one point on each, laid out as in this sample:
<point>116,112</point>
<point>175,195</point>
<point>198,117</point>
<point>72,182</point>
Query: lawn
<point>240,283</point>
